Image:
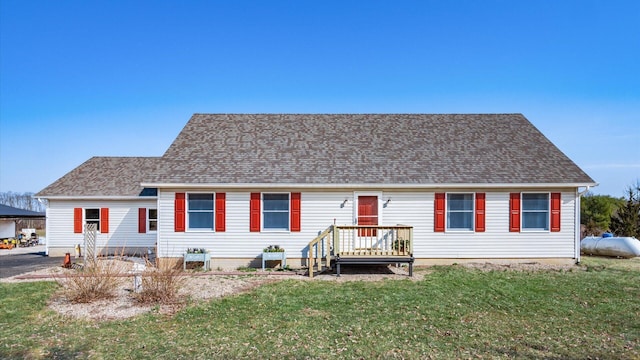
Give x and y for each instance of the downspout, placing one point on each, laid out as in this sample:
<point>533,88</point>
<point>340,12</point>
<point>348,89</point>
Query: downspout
<point>577,223</point>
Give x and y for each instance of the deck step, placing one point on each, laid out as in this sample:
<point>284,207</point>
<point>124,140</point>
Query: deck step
<point>321,267</point>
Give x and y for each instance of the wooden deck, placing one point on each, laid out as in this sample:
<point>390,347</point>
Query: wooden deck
<point>367,245</point>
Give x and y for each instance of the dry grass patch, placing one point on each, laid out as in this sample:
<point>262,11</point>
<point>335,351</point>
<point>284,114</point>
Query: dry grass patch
<point>96,280</point>
<point>160,285</point>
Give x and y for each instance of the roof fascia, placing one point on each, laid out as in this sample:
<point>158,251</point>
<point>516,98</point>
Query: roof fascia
<point>72,197</point>
<point>365,186</point>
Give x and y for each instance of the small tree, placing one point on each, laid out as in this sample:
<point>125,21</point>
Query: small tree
<point>626,220</point>
<point>596,212</point>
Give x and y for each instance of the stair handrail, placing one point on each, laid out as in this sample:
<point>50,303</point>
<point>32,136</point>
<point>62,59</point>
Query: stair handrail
<point>312,260</point>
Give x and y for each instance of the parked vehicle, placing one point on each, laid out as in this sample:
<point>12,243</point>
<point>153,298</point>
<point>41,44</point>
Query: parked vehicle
<point>25,240</point>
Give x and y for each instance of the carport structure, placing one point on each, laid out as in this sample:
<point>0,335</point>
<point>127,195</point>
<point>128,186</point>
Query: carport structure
<point>9,215</point>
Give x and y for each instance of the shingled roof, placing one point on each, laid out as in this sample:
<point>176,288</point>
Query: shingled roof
<point>410,149</point>
<point>374,150</point>
<point>104,176</point>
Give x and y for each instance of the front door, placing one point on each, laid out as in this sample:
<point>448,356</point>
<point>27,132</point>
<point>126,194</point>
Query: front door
<point>367,214</point>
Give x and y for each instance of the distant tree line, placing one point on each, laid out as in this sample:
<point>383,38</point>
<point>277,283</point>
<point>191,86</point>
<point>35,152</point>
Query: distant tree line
<point>25,201</point>
<point>604,213</point>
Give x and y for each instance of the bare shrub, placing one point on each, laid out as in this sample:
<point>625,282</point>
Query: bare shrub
<point>160,285</point>
<point>96,280</point>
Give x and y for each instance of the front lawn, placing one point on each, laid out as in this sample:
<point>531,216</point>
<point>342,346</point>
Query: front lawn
<point>589,312</point>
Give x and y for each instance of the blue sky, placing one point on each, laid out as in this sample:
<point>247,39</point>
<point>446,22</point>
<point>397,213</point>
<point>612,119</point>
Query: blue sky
<point>121,78</point>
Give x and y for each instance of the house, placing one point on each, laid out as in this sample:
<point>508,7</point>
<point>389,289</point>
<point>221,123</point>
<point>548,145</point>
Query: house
<point>436,187</point>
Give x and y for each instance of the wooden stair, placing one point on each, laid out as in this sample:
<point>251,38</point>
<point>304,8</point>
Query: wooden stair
<point>320,252</point>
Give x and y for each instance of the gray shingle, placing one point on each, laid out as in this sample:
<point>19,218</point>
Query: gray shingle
<point>337,149</point>
<point>104,176</point>
<point>364,149</point>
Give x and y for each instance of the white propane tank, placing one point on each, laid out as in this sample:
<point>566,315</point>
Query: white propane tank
<point>609,245</point>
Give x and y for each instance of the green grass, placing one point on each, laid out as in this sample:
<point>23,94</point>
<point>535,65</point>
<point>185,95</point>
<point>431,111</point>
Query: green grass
<point>593,312</point>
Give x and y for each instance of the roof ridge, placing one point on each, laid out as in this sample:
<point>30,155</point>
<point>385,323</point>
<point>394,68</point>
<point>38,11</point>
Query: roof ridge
<point>124,157</point>
<point>364,113</point>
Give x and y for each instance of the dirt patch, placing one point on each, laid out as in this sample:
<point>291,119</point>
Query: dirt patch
<point>124,305</point>
<point>525,267</point>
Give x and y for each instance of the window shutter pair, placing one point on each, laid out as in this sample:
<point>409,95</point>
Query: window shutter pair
<point>514,211</point>
<point>78,223</point>
<point>294,212</point>
<point>440,212</point>
<point>180,212</point>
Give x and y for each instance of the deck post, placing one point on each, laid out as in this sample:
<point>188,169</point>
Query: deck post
<point>327,250</point>
<point>310,261</point>
<point>336,241</point>
<point>411,242</point>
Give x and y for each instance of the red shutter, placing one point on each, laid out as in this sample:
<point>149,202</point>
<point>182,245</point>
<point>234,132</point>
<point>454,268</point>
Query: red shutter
<point>480,210</point>
<point>142,220</point>
<point>221,210</point>
<point>439,213</point>
<point>514,212</point>
<point>555,212</point>
<point>254,214</point>
<point>104,220</point>
<point>295,211</point>
<point>179,213</point>
<point>77,220</point>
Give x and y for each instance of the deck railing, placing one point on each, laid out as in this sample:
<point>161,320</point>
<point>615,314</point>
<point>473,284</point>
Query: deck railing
<point>373,240</point>
<point>359,241</point>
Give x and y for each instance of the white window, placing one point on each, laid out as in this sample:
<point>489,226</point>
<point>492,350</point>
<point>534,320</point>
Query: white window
<point>92,216</point>
<point>200,211</point>
<point>152,220</point>
<point>275,211</point>
<point>460,210</point>
<point>535,211</point>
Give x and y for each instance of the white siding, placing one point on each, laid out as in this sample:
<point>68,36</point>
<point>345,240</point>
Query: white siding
<point>123,224</point>
<point>417,209</point>
<point>320,209</point>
